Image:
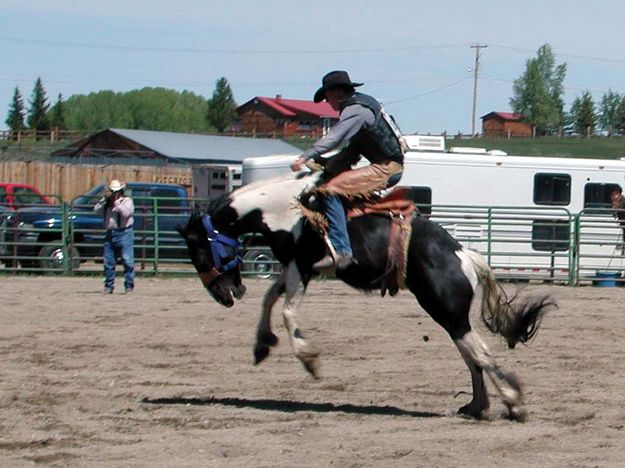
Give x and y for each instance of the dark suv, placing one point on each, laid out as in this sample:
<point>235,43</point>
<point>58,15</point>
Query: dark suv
<point>42,235</point>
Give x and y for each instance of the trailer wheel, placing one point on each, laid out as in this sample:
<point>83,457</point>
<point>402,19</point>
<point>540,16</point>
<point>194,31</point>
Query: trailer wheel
<point>260,262</point>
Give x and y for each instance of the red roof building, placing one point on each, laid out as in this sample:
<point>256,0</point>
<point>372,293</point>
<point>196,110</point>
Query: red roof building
<point>505,124</point>
<point>285,117</point>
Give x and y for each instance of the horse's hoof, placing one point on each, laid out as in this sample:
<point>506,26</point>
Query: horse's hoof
<point>260,354</point>
<point>312,366</point>
<point>516,413</point>
<point>472,412</point>
<point>269,339</point>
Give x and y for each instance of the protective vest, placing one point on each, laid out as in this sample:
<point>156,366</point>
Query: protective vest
<point>377,142</point>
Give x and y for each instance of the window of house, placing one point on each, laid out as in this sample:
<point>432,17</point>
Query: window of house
<point>550,235</point>
<point>552,189</point>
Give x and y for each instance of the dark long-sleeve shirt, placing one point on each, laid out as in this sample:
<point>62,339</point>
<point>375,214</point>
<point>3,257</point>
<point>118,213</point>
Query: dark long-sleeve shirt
<point>351,119</point>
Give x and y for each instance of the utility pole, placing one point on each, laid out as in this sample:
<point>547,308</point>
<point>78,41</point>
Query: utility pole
<point>476,70</point>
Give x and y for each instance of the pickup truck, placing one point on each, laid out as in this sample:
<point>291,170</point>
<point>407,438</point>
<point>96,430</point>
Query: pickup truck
<point>12,196</point>
<point>39,234</point>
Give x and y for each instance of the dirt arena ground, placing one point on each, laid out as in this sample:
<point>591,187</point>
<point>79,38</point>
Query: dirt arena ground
<point>164,377</point>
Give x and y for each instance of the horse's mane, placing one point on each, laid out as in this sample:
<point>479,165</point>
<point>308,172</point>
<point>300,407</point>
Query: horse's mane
<point>216,203</point>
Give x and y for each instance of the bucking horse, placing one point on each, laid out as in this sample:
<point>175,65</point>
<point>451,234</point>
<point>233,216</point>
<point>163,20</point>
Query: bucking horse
<point>442,274</point>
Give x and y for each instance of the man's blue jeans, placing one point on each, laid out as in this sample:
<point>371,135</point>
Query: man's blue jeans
<point>119,243</point>
<point>337,224</point>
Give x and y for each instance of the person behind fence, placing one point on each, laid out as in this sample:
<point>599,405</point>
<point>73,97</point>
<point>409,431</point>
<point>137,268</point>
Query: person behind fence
<point>618,205</point>
<point>369,132</point>
<point>118,210</point>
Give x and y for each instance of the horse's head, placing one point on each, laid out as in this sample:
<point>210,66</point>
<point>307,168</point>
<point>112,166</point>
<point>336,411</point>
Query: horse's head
<point>215,257</point>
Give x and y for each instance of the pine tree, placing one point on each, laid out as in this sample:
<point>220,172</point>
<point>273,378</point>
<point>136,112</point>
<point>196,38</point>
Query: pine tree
<point>583,114</point>
<point>15,119</point>
<point>222,107</point>
<point>609,112</point>
<point>38,112</point>
<point>57,114</point>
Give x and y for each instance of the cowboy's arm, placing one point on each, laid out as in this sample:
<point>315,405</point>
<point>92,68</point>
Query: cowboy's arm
<point>342,161</point>
<point>351,121</point>
<point>101,205</point>
<point>124,206</point>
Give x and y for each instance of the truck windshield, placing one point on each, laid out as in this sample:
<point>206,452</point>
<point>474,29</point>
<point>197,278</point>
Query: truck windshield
<point>90,198</point>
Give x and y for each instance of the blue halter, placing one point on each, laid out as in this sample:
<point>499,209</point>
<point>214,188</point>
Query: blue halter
<point>218,243</point>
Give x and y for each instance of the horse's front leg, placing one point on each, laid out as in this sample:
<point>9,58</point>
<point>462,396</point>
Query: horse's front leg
<point>265,338</point>
<point>303,350</point>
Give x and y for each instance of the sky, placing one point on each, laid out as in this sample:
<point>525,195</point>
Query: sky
<point>414,56</point>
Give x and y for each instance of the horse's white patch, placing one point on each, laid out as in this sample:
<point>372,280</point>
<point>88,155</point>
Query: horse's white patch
<point>467,263</point>
<point>276,198</point>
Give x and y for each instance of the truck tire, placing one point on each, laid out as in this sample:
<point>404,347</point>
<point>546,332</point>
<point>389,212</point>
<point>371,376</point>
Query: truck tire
<point>260,262</point>
<point>51,258</point>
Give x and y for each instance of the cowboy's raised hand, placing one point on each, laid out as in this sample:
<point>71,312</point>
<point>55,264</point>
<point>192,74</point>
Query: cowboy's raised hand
<point>297,164</point>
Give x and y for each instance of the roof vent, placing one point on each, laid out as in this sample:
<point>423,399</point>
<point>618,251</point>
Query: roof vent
<point>467,150</point>
<point>425,142</point>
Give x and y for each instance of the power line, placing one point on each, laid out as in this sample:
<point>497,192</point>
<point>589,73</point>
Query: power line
<point>563,54</point>
<point>222,51</point>
<point>397,101</point>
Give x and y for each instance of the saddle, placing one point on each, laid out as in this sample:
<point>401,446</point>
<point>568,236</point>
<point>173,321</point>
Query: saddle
<point>401,210</point>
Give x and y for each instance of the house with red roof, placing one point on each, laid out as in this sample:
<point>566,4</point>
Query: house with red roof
<point>285,117</point>
<point>505,124</point>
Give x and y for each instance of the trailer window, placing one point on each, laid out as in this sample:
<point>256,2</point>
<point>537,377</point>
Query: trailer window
<point>422,196</point>
<point>550,235</point>
<point>597,195</point>
<point>552,189</point>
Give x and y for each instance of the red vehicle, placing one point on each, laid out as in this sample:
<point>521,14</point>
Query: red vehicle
<point>13,196</point>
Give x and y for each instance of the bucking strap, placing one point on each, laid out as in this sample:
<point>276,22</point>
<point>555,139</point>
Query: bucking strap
<point>398,242</point>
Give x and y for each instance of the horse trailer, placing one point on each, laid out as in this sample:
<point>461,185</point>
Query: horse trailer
<point>532,217</point>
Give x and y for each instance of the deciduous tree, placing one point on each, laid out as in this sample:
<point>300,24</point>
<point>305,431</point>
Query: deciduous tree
<point>537,94</point>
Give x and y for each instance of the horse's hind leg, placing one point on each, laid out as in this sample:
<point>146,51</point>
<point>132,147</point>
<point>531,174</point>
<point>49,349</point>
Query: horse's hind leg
<point>479,405</point>
<point>478,358</point>
<point>265,338</point>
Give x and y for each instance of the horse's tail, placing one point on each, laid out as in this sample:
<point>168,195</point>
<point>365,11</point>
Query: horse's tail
<point>516,321</point>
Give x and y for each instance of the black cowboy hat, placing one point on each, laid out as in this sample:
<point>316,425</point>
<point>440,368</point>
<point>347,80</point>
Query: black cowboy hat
<point>334,79</point>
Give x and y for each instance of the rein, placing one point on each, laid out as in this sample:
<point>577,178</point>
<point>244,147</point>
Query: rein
<point>222,262</point>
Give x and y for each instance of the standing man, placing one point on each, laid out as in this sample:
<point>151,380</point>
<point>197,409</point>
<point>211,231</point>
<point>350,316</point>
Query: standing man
<point>617,203</point>
<point>369,132</point>
<point>118,212</point>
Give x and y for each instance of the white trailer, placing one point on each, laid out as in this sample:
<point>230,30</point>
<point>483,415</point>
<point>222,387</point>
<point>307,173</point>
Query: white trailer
<point>531,216</point>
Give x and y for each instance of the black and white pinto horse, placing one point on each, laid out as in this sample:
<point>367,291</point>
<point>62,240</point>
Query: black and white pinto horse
<point>441,273</point>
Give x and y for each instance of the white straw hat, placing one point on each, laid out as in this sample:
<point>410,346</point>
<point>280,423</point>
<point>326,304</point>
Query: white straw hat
<point>116,186</point>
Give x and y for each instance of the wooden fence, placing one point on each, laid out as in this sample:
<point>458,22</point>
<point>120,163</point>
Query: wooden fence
<point>71,180</point>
